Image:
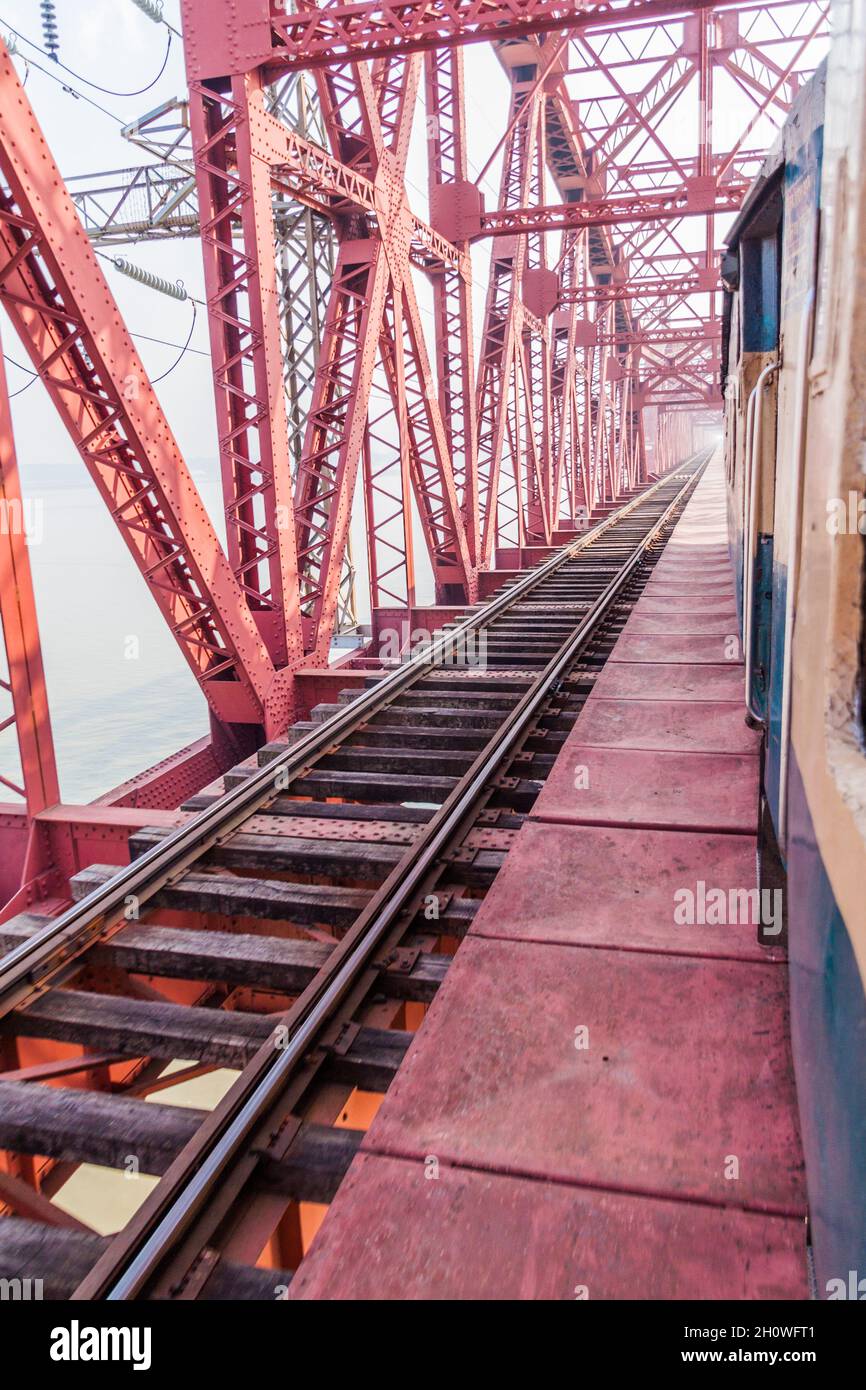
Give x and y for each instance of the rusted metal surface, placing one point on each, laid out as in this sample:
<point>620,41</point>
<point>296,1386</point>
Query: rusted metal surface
<point>217,953</point>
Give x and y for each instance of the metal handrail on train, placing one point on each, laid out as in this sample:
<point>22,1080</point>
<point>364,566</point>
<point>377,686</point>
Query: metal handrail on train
<point>732,387</point>
<point>171,1209</point>
<point>751,472</point>
<point>50,952</point>
<point>793,565</point>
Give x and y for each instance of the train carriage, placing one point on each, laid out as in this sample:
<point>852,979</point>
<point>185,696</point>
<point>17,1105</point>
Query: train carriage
<point>794,377</point>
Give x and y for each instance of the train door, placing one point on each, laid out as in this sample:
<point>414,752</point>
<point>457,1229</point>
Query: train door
<point>760,255</point>
<point>799,242</point>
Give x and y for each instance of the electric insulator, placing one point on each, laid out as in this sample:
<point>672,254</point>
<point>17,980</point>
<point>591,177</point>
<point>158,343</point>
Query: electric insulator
<point>174,289</point>
<point>50,32</point>
<point>152,8</point>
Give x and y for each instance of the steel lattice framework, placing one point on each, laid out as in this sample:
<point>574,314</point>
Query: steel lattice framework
<point>631,127</point>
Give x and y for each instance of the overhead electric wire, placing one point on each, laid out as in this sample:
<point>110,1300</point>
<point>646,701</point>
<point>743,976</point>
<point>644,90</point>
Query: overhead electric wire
<point>163,342</point>
<point>107,91</point>
<point>21,368</point>
<point>79,96</point>
<point>183,351</point>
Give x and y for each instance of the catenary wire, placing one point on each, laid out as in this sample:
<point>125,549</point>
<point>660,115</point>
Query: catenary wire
<point>79,77</point>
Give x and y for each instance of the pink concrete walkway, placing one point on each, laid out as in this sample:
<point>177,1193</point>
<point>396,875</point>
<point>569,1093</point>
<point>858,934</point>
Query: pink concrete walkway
<point>600,1102</point>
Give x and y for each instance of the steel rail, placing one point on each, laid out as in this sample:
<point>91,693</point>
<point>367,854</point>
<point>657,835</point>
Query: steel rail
<point>135,1258</point>
<point>49,955</point>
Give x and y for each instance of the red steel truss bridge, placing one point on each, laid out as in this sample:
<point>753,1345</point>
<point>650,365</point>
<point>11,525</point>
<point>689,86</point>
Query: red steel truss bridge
<point>570,366</point>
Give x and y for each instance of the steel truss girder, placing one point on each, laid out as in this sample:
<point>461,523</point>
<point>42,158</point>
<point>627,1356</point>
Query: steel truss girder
<point>646,288</point>
<point>25,683</point>
<point>244,321</point>
<point>452,286</point>
<point>373,316</point>
<point>567,410</point>
<point>61,306</point>
<point>613,212</point>
<point>344,185</point>
<point>318,35</point>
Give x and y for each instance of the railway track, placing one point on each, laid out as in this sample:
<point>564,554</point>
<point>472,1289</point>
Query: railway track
<point>293,929</point>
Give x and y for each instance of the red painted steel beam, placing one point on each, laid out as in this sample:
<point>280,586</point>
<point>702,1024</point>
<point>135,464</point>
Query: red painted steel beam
<point>330,33</point>
<point>448,179</point>
<point>61,306</point>
<point>26,683</point>
<point>26,870</point>
<point>325,183</point>
<point>679,202</point>
<point>234,193</point>
<point>649,287</point>
<point>684,335</point>
<point>27,1202</point>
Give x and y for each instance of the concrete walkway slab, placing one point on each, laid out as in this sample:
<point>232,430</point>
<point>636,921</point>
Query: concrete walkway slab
<point>663,790</point>
<point>556,886</point>
<point>500,1078</point>
<point>396,1233</point>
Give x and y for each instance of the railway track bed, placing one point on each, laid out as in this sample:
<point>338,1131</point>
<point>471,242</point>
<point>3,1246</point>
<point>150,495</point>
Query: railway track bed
<point>290,931</point>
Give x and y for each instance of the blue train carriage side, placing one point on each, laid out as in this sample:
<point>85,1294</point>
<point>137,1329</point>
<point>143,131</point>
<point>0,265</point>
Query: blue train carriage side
<point>795,400</point>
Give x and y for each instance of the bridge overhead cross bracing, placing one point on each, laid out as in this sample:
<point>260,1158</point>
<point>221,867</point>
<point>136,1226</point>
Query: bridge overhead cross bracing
<point>438,382</point>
